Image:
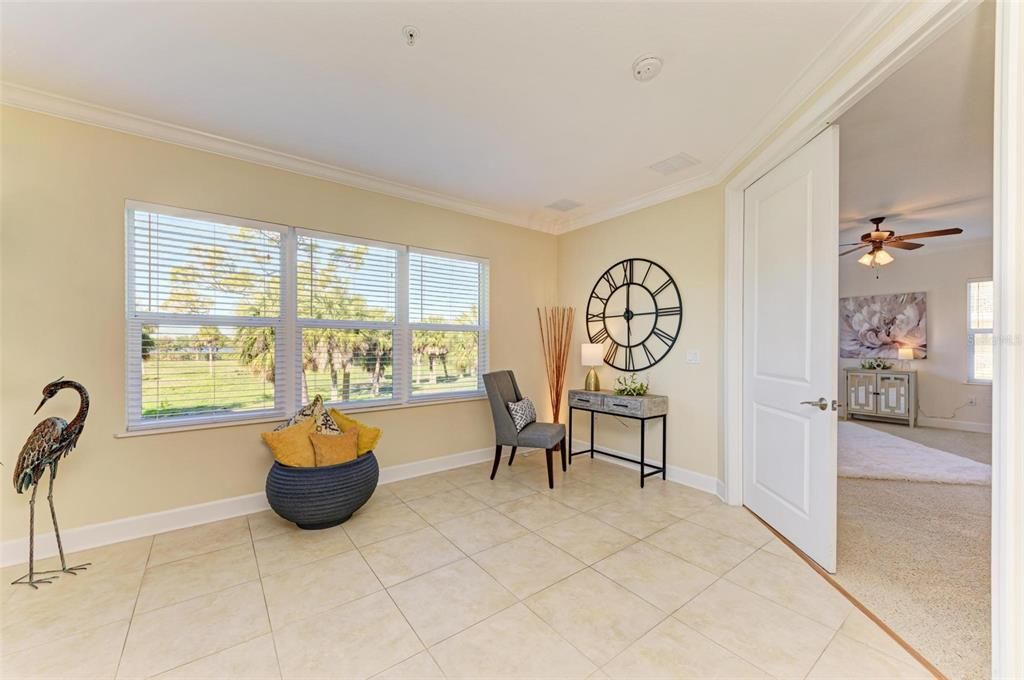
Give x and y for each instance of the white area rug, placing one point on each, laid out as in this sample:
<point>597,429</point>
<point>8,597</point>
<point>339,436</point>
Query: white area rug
<point>871,454</point>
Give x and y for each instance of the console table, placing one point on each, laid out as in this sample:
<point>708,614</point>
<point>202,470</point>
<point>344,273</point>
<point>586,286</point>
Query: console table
<point>885,395</point>
<point>647,407</point>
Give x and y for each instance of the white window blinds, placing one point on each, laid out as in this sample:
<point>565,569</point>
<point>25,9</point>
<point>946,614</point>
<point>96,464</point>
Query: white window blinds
<point>235,319</point>
<point>347,298</point>
<point>980,306</point>
<point>448,324</point>
<point>203,312</point>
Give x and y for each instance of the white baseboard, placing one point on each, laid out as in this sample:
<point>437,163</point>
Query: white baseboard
<point>673,473</point>
<point>961,425</point>
<point>15,551</point>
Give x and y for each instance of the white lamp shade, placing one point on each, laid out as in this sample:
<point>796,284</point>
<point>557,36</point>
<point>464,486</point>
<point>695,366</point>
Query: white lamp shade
<point>591,354</point>
<point>906,353</point>
<point>882,258</point>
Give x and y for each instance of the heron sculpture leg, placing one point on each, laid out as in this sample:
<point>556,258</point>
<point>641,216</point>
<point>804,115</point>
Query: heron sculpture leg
<point>64,568</point>
<point>30,576</point>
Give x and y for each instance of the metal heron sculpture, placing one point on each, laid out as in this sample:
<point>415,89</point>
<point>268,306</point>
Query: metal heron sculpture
<point>51,440</point>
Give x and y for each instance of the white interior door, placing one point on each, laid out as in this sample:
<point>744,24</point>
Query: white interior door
<point>790,307</point>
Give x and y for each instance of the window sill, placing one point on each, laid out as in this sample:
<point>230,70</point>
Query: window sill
<point>257,421</point>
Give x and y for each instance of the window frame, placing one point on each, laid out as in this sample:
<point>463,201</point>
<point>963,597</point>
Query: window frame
<point>972,333</point>
<point>288,371</point>
<point>481,327</point>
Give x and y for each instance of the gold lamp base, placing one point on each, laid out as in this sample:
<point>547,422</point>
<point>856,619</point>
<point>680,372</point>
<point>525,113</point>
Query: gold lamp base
<point>593,383</point>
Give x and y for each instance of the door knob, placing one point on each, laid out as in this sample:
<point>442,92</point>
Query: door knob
<point>822,403</point>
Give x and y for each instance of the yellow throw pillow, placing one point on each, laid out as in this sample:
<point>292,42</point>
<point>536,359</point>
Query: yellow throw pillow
<point>368,436</point>
<point>332,449</point>
<point>291,446</point>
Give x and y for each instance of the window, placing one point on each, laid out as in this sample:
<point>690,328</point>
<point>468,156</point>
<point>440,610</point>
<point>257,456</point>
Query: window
<point>980,305</point>
<point>447,324</point>
<point>231,319</point>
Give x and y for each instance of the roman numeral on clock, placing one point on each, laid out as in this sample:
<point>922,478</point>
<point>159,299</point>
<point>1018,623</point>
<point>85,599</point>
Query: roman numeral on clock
<point>600,336</point>
<point>663,336</point>
<point>611,353</point>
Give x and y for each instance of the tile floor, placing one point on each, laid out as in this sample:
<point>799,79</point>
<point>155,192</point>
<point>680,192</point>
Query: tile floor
<point>452,575</point>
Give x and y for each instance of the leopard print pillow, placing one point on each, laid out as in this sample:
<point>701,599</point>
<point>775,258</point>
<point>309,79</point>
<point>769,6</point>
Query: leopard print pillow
<point>314,409</point>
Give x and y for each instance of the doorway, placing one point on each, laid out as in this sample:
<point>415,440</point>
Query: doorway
<point>915,348</point>
<point>904,43</point>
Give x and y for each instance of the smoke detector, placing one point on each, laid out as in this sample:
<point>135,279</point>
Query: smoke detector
<point>411,35</point>
<point>646,68</point>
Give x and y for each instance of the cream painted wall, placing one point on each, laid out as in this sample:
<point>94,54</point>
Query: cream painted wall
<point>685,237</point>
<point>62,262</point>
<point>942,271</point>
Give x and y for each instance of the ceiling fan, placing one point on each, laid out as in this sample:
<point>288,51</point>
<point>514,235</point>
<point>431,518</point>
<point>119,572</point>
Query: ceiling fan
<point>878,240</point>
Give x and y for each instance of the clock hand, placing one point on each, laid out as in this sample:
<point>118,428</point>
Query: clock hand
<point>631,315</point>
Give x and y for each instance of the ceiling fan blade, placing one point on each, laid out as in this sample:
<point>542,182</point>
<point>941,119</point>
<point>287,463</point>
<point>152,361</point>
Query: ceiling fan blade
<point>929,234</point>
<point>853,250</point>
<point>904,245</point>
<point>844,245</point>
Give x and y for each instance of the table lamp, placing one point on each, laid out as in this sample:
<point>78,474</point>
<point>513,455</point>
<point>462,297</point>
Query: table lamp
<point>592,355</point>
<point>906,354</point>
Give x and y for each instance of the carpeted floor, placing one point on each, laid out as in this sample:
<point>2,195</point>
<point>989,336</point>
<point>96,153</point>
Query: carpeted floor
<point>917,555</point>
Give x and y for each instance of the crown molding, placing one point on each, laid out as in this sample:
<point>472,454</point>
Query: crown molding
<point>652,198</point>
<point>852,37</point>
<point>31,99</point>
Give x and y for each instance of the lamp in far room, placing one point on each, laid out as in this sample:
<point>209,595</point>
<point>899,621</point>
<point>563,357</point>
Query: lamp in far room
<point>592,354</point>
<point>906,354</point>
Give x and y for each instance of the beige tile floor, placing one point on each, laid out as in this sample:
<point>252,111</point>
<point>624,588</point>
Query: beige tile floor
<point>452,575</point>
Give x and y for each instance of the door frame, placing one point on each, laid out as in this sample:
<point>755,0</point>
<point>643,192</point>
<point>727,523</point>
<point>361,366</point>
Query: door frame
<point>918,25</point>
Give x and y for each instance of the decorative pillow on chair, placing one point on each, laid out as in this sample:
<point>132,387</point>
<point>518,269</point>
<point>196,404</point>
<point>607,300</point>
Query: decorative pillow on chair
<point>523,413</point>
<point>291,445</point>
<point>332,449</point>
<point>368,435</point>
<point>315,410</point>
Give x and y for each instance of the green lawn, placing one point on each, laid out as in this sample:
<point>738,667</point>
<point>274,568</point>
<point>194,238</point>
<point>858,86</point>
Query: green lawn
<point>171,388</point>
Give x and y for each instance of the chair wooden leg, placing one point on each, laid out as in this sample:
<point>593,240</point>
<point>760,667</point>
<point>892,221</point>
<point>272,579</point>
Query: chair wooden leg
<point>564,453</point>
<point>512,456</point>
<point>551,472</point>
<point>497,459</point>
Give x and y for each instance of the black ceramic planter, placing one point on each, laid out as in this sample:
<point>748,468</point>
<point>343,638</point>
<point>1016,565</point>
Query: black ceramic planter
<point>322,497</point>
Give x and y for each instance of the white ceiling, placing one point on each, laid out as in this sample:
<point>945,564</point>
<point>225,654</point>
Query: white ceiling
<point>499,110</point>
<point>918,148</point>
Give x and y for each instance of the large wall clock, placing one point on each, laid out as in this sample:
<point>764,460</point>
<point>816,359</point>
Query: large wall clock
<point>635,311</point>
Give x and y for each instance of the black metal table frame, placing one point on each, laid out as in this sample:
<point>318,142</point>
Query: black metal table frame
<point>644,474</point>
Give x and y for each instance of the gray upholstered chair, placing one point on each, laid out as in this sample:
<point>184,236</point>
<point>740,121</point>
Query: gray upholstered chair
<point>501,389</point>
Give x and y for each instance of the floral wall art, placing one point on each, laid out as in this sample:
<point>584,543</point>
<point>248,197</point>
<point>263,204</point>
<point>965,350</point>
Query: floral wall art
<point>878,325</point>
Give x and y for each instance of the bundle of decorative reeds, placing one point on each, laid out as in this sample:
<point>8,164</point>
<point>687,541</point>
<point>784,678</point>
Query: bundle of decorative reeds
<point>555,339</point>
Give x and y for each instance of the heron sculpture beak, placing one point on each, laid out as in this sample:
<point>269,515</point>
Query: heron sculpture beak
<point>45,399</point>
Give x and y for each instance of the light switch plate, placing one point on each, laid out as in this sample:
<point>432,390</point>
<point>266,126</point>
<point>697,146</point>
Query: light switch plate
<point>692,356</point>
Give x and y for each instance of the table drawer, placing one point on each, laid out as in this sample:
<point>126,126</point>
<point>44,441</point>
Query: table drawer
<point>587,400</point>
<point>631,407</point>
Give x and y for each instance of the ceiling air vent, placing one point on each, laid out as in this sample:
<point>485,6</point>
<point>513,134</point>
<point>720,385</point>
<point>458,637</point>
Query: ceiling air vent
<point>674,164</point>
<point>563,205</point>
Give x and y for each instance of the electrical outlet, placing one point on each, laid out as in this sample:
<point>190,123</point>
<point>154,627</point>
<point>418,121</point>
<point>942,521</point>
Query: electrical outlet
<point>693,356</point>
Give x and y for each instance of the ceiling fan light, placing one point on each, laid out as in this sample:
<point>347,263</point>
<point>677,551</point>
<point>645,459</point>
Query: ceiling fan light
<point>867,259</point>
<point>882,258</point>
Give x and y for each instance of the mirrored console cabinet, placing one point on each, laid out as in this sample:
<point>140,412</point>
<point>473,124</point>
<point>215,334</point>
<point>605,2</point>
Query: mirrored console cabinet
<point>889,395</point>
